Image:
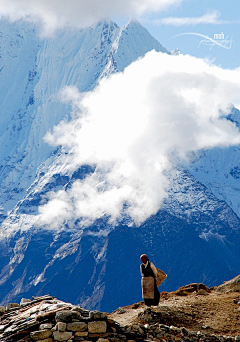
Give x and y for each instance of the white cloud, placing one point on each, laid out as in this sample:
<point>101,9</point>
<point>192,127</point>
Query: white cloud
<point>80,13</point>
<point>212,17</point>
<point>133,127</point>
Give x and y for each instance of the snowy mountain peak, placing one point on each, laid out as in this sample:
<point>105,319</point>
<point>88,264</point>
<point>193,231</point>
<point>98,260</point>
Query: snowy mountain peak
<point>176,52</point>
<point>132,41</point>
<point>132,21</point>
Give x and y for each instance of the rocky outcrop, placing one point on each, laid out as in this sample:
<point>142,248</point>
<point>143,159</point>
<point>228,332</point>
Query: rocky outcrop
<point>198,288</point>
<point>232,285</point>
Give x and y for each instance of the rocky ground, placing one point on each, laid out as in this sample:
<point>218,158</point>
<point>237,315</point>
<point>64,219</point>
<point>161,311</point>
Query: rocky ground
<point>195,307</point>
<point>193,313</point>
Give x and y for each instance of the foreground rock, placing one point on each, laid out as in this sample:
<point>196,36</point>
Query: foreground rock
<point>47,319</point>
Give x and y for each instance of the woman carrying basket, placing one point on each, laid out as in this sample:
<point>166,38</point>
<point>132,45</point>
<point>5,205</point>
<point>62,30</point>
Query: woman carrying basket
<point>150,291</point>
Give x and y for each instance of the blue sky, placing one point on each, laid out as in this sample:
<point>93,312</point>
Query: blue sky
<point>180,26</point>
<point>205,17</point>
<point>175,24</point>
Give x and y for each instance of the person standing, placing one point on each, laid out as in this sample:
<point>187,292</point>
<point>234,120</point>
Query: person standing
<point>150,291</point>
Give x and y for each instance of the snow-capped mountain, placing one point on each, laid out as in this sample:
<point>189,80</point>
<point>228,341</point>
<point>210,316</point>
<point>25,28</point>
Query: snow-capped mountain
<point>194,237</point>
<point>34,70</point>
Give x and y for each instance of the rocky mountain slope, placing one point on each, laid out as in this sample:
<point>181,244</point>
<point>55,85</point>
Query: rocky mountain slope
<point>194,237</point>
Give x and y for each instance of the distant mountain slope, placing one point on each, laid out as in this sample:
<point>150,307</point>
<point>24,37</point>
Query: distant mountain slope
<point>219,170</point>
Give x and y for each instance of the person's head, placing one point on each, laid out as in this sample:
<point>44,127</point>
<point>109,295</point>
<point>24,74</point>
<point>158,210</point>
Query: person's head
<point>144,258</point>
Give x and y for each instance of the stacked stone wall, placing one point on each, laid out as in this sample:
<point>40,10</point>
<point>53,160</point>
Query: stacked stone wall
<point>46,319</point>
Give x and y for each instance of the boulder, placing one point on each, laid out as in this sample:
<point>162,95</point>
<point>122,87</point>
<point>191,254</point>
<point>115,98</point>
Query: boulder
<point>61,326</point>
<point>11,306</point>
<point>45,326</point>
<point>2,310</point>
<point>25,301</point>
<point>97,327</point>
<point>95,315</point>
<point>83,312</point>
<point>232,285</point>
<point>188,289</point>
<point>62,336</point>
<point>67,316</point>
<point>81,334</point>
<point>77,326</point>
<point>40,334</point>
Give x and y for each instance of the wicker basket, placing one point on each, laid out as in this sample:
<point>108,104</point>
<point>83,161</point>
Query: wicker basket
<point>161,276</point>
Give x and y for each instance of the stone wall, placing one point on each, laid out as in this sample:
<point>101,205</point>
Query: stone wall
<point>46,319</point>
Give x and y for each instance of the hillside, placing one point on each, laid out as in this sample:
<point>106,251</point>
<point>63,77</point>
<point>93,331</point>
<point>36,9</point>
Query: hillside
<point>206,310</point>
<point>193,313</point>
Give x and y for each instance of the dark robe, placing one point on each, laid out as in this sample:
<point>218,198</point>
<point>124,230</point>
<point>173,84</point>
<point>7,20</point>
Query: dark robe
<point>155,296</point>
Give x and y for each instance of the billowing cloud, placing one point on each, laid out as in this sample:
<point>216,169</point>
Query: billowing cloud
<point>211,17</point>
<point>81,13</point>
<point>134,127</point>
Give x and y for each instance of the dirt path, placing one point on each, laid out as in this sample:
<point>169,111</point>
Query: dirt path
<point>216,312</point>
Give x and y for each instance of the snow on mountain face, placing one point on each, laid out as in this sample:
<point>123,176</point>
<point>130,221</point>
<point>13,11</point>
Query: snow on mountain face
<point>219,170</point>
<point>34,82</point>
<point>195,236</point>
<point>34,70</point>
<point>126,47</point>
<point>18,78</point>
<point>193,201</point>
